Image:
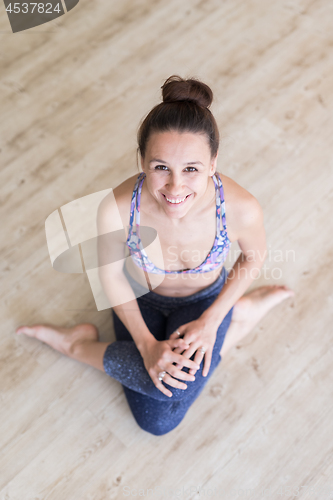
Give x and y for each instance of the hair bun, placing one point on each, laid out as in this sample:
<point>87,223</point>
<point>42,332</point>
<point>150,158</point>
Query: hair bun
<point>176,89</point>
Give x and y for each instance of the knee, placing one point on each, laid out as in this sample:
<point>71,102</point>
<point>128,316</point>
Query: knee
<point>158,420</point>
<point>156,427</point>
<point>158,431</point>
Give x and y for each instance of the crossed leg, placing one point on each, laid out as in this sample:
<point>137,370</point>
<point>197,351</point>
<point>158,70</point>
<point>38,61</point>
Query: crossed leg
<point>81,341</point>
<point>154,414</point>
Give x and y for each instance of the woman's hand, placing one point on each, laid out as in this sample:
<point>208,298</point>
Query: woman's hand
<point>200,335</point>
<point>159,356</point>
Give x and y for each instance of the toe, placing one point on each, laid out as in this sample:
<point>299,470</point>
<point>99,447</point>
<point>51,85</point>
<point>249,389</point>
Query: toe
<point>27,330</point>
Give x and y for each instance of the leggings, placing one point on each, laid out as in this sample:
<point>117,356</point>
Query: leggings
<point>153,411</point>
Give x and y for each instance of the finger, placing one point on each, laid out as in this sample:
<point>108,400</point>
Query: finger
<point>194,348</point>
<point>207,362</point>
<point>175,343</point>
<point>178,365</point>
<point>173,382</point>
<point>182,360</point>
<point>163,389</point>
<point>177,333</point>
<point>188,353</point>
<point>191,350</point>
<point>178,350</point>
<point>197,359</point>
<point>181,349</point>
<point>199,355</point>
<point>192,371</point>
<point>176,373</point>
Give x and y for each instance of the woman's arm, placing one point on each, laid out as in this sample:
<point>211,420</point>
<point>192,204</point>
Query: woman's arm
<point>157,356</point>
<point>252,242</point>
<point>111,259</point>
<point>250,234</point>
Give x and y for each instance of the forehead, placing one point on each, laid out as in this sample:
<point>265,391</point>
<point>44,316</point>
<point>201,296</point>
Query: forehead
<point>173,143</point>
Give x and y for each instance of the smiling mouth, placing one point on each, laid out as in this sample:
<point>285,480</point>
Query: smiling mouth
<point>177,201</point>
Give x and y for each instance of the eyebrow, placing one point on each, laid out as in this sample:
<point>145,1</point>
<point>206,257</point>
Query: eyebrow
<point>157,160</point>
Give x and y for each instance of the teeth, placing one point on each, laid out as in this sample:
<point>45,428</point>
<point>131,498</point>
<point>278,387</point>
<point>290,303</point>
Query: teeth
<point>175,201</point>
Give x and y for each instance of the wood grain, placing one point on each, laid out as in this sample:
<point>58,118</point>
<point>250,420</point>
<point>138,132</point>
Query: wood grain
<point>73,92</point>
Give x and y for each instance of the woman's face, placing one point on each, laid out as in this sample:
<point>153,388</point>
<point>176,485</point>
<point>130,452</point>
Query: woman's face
<point>178,167</point>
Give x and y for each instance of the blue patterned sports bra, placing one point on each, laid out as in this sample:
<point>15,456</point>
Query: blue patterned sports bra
<point>214,259</point>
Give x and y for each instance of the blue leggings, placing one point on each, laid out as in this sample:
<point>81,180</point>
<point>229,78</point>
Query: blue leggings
<point>154,411</point>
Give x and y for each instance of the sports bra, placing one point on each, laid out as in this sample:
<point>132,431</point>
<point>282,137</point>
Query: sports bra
<point>215,257</point>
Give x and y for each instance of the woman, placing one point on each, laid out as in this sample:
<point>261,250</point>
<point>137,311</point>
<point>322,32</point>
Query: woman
<point>171,338</point>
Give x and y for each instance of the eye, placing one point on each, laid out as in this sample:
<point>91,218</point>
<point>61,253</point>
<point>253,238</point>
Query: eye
<point>160,167</point>
<point>193,169</point>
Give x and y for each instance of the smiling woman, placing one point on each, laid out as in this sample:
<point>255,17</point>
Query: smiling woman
<point>170,340</point>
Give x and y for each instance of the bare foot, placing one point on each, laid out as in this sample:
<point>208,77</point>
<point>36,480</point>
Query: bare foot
<point>250,309</point>
<point>63,340</point>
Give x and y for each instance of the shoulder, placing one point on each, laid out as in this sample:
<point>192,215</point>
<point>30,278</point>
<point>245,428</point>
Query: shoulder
<point>117,203</point>
<point>242,210</point>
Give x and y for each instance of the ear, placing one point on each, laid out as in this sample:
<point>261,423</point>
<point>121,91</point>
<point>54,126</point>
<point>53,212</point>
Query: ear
<point>213,165</point>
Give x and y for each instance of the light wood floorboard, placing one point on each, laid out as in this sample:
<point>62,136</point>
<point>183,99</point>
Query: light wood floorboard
<point>72,94</point>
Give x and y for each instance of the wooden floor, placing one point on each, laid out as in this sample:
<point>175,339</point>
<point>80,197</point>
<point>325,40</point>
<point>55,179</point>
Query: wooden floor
<point>72,95</point>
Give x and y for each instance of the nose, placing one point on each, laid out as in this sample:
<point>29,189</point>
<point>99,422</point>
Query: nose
<point>175,184</point>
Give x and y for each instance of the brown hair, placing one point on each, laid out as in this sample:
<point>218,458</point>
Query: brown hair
<point>184,109</point>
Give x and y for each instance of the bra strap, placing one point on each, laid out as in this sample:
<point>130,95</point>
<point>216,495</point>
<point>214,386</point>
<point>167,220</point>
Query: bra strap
<point>222,203</point>
<point>137,202</point>
<point>141,178</point>
<point>218,206</point>
<point>134,201</point>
